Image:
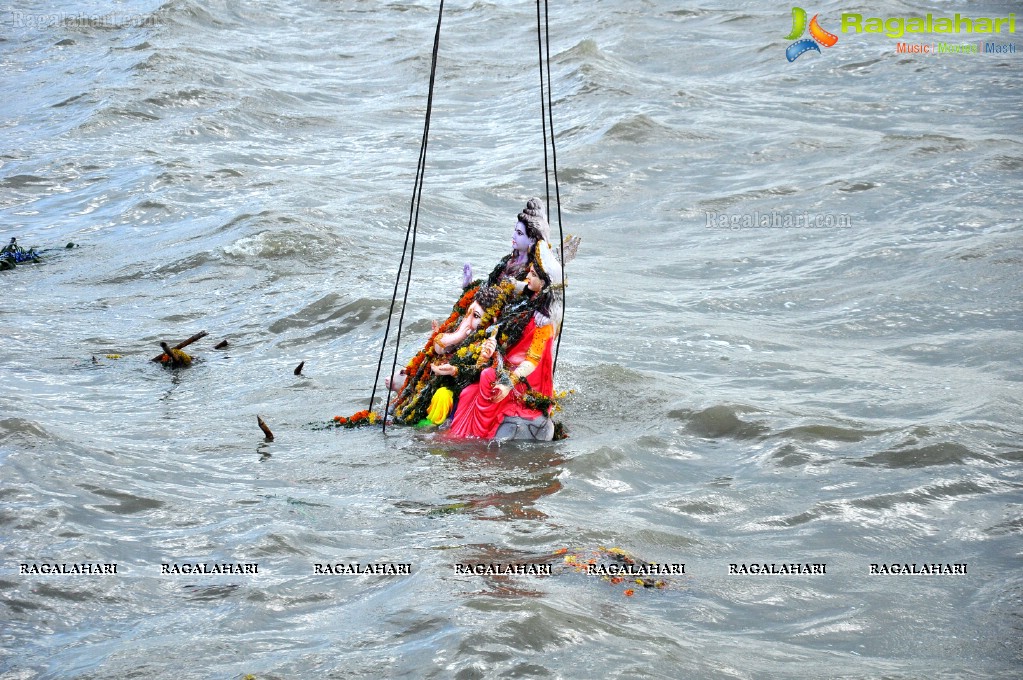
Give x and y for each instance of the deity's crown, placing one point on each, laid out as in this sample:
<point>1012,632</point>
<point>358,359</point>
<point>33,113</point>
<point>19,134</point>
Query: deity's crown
<point>534,215</point>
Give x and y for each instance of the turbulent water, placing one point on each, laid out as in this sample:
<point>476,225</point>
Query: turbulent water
<point>745,388</point>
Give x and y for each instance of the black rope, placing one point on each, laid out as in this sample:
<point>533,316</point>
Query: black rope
<point>546,118</point>
<point>412,229</point>
<point>543,113</point>
<point>544,43</point>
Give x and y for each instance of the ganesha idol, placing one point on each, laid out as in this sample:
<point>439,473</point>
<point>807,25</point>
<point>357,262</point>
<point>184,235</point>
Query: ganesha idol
<point>487,371</point>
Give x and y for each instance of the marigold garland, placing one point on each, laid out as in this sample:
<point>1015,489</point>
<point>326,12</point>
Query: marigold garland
<point>357,419</point>
<point>579,561</point>
<point>538,401</point>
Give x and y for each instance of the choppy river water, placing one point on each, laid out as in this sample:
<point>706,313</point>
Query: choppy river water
<point>748,388</point>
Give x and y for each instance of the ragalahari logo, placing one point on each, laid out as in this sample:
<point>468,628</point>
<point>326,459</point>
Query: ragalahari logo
<point>818,35</point>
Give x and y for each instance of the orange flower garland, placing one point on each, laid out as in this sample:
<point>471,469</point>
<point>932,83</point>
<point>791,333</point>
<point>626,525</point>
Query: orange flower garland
<point>580,561</point>
<point>358,419</point>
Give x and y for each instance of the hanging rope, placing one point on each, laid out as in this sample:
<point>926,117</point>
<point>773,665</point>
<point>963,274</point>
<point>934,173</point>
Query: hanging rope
<point>412,229</point>
<point>409,248</point>
<point>547,117</point>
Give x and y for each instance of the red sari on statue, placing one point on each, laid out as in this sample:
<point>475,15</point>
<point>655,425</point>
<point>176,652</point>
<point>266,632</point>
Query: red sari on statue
<point>478,416</point>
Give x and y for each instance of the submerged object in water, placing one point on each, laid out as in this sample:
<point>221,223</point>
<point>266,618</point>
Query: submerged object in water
<point>174,358</point>
<point>162,358</point>
<point>13,254</point>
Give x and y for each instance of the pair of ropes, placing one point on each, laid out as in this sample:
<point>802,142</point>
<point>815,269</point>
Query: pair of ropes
<point>409,249</point>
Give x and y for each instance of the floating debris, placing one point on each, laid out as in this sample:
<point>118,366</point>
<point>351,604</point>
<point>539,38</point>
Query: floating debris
<point>174,357</point>
<point>220,345</point>
<point>13,255</point>
<point>180,345</point>
<point>618,567</point>
<point>359,419</point>
<point>265,429</point>
<point>298,369</point>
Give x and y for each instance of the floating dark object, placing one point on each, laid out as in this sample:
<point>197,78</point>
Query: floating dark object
<point>12,254</point>
<point>265,429</point>
<point>220,345</point>
<point>182,345</point>
<point>175,358</point>
<point>298,369</point>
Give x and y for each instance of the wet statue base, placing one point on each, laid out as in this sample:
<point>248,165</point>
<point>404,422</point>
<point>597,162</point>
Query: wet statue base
<point>539,429</point>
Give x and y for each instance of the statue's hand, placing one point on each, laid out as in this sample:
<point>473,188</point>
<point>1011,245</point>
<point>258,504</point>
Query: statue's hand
<point>466,275</point>
<point>500,393</point>
<point>444,369</point>
<point>487,349</point>
<point>435,325</point>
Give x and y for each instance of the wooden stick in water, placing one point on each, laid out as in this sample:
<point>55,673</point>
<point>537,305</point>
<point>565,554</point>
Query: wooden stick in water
<point>186,343</point>
<point>265,429</point>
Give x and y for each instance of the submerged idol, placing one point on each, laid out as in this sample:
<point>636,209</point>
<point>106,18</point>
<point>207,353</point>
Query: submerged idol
<point>502,327</point>
<point>432,371</point>
<point>513,398</point>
